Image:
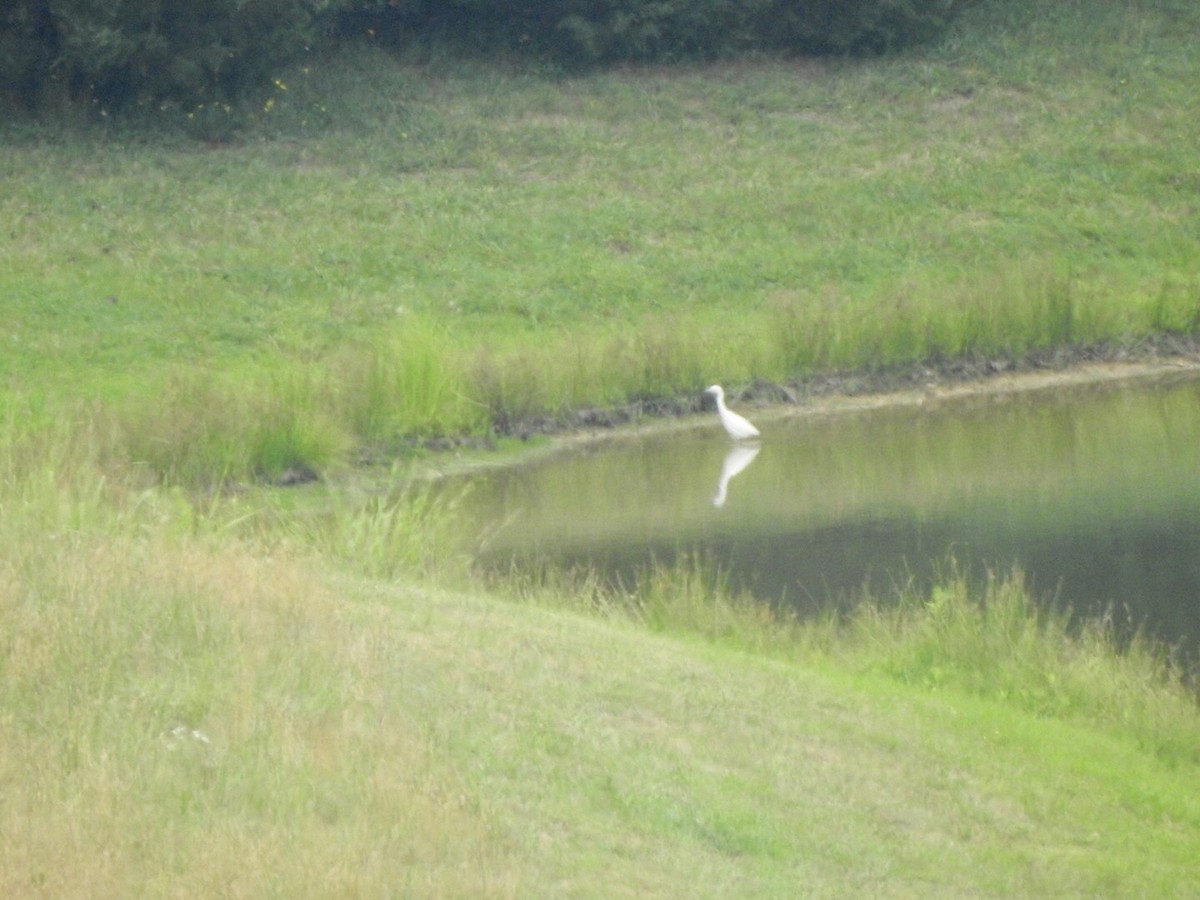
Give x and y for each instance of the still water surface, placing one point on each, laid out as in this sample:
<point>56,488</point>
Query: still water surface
<point>1093,492</point>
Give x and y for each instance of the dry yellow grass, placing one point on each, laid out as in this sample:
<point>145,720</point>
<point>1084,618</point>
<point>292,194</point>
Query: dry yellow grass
<point>183,719</point>
<point>185,712</point>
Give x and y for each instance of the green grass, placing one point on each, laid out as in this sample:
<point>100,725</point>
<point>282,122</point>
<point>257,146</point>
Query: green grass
<point>440,247</point>
<point>997,642</point>
<point>189,712</point>
<point>212,689</point>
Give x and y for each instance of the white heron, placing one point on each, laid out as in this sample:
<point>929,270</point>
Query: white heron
<point>738,427</point>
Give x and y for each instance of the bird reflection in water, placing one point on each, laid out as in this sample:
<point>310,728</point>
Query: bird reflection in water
<point>736,461</point>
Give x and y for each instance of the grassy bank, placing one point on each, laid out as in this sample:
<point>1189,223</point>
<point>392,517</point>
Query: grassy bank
<point>226,692</point>
<point>422,247</point>
<point>202,702</point>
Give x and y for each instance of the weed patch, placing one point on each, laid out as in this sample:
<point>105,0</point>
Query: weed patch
<point>994,642</point>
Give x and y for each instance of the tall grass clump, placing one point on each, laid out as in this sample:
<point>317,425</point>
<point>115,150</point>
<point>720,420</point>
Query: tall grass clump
<point>53,484</point>
<point>181,715</point>
<point>515,379</point>
<point>662,357</point>
<point>180,697</point>
<point>991,641</point>
<point>547,379</point>
<point>692,596</point>
<point>414,382</point>
<point>294,431</point>
<point>1010,311</point>
<point>410,533</point>
<point>998,643</point>
<point>197,427</point>
<point>1175,308</point>
<point>287,418</point>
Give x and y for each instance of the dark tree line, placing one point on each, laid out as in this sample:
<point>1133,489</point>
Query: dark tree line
<point>113,53</point>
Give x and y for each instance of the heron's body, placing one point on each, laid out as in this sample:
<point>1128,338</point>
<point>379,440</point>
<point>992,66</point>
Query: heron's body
<point>738,427</point>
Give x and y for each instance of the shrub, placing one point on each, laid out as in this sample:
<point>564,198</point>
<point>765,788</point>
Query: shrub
<point>114,53</point>
<point>841,26</point>
<point>28,47</point>
<point>592,31</point>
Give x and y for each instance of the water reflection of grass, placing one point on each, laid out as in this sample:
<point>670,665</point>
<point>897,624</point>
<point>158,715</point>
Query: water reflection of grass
<point>1049,463</point>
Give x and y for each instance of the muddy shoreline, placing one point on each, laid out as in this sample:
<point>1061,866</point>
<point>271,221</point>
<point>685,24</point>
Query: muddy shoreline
<point>927,382</point>
<point>827,393</point>
<point>921,383</point>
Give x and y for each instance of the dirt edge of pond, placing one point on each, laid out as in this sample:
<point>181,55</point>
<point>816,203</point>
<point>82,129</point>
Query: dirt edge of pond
<point>865,389</point>
<point>827,393</point>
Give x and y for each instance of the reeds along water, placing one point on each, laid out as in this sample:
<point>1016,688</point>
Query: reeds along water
<point>988,637</point>
<point>420,378</point>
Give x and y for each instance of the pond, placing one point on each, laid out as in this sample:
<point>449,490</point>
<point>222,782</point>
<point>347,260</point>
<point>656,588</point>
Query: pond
<point>1093,492</point>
